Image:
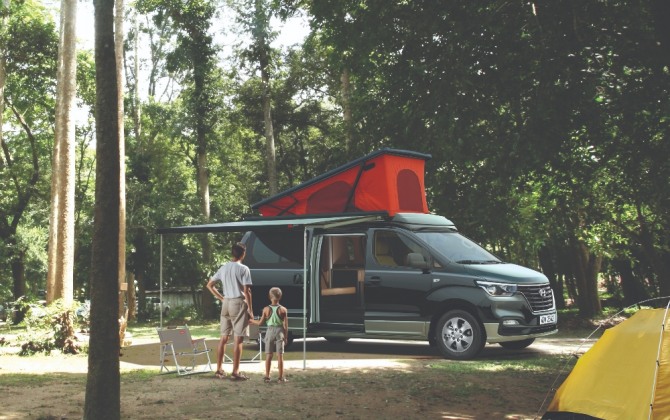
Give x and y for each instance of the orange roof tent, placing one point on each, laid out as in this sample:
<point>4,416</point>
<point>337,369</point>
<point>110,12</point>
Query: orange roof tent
<point>386,180</point>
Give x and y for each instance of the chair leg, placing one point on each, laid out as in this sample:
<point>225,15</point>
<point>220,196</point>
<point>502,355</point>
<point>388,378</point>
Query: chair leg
<point>164,354</point>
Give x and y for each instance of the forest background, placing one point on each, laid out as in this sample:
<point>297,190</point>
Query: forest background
<point>547,122</point>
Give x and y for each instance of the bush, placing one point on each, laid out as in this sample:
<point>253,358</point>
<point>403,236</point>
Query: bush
<point>48,328</point>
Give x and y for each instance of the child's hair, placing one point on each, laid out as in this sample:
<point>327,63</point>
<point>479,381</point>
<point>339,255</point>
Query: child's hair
<point>239,249</point>
<point>275,293</point>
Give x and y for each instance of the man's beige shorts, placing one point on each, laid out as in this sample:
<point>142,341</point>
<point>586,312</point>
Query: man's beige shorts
<point>234,317</point>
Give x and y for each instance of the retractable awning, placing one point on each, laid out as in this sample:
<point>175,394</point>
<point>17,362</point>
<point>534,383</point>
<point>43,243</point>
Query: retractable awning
<point>266,224</point>
<point>277,223</point>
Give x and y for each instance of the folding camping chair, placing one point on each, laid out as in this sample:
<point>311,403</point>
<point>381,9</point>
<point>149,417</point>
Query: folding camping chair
<point>255,337</point>
<point>178,342</point>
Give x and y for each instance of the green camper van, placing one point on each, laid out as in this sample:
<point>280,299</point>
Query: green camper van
<point>358,255</point>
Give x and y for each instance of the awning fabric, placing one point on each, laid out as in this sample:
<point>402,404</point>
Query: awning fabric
<point>276,223</point>
<point>386,180</point>
<point>618,377</point>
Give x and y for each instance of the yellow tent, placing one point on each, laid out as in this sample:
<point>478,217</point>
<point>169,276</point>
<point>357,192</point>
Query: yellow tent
<point>619,378</point>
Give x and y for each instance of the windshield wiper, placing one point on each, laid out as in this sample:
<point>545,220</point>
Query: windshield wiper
<point>470,262</point>
<point>479,262</point>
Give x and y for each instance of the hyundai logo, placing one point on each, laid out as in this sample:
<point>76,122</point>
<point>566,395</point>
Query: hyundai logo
<point>545,293</point>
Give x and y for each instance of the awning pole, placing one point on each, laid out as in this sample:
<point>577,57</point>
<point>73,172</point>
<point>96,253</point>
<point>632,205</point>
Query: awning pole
<point>304,301</point>
<point>160,279</point>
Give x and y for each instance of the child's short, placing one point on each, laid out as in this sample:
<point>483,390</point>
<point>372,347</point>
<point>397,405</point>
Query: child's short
<point>274,340</point>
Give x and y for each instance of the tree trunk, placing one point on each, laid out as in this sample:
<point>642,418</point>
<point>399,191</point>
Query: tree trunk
<point>132,297</point>
<point>118,51</point>
<point>586,268</point>
<point>103,380</point>
<point>60,278</point>
<point>203,192</point>
<point>261,36</point>
<point>4,5</point>
<point>660,265</point>
<point>632,288</point>
<point>549,270</point>
<point>345,80</point>
<point>18,276</point>
<point>270,153</point>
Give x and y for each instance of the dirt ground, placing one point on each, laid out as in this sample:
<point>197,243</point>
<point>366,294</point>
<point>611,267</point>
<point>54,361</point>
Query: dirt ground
<point>353,380</point>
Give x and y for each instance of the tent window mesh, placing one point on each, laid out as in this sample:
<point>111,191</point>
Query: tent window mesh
<point>409,191</point>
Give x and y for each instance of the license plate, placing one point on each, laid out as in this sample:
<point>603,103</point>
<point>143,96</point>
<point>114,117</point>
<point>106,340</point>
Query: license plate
<point>548,319</point>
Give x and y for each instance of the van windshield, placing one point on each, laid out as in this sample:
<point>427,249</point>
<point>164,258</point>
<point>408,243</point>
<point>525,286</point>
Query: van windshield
<point>457,248</point>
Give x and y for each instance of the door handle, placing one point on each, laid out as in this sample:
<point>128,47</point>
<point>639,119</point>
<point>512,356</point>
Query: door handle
<point>297,279</point>
<point>373,281</point>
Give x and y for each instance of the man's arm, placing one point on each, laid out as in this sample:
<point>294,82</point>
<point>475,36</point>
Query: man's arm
<point>210,286</point>
<point>247,297</point>
<point>264,316</point>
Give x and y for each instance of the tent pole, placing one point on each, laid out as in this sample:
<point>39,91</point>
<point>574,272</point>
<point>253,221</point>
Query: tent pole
<point>304,301</point>
<point>160,279</point>
<point>658,360</point>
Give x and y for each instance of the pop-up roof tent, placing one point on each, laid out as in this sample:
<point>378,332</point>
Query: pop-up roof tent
<point>386,180</point>
<point>625,375</point>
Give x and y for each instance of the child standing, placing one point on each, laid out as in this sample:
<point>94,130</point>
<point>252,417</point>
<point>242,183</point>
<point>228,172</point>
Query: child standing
<point>276,335</point>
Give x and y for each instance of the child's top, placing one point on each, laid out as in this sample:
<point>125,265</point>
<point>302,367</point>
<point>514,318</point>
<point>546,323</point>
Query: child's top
<point>274,320</point>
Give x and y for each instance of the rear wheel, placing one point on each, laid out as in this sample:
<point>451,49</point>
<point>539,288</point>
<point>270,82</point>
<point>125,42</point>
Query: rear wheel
<point>459,335</point>
<point>517,345</point>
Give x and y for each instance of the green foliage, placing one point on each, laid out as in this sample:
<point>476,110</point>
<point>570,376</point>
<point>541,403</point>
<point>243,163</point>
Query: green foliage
<point>48,328</point>
<point>548,126</point>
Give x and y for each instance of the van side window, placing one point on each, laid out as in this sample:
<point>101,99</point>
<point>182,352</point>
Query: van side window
<point>260,255</point>
<point>393,250</point>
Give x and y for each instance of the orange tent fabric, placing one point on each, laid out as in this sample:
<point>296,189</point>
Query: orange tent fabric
<point>386,180</point>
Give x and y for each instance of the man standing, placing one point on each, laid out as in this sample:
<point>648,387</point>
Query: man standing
<point>236,307</point>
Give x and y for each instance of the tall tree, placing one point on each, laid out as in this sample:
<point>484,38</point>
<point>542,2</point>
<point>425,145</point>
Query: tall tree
<point>4,13</point>
<point>103,400</point>
<point>30,69</point>
<point>61,220</point>
<point>118,50</point>
<point>258,23</point>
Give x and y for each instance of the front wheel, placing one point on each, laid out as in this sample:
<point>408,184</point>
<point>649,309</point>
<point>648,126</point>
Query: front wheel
<point>517,345</point>
<point>459,335</point>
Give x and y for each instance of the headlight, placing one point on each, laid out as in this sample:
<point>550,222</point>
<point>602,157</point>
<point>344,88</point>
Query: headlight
<point>497,289</point>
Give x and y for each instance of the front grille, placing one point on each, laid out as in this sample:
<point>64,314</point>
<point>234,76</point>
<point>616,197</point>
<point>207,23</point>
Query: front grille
<point>539,296</point>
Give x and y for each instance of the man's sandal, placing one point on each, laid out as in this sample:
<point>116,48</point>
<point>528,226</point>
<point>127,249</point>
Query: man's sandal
<point>267,379</point>
<point>239,377</point>
<point>282,380</point>
<point>220,374</point>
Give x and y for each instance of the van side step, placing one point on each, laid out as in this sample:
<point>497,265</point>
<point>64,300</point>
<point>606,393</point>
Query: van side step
<point>335,328</point>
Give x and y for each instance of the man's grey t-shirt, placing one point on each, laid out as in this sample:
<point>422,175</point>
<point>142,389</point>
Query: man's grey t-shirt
<point>233,276</point>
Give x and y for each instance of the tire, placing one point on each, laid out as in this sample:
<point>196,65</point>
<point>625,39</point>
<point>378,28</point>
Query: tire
<point>459,335</point>
<point>517,345</point>
<point>337,339</point>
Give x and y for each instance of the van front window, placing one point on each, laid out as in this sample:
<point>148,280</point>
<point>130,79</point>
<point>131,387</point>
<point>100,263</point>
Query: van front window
<point>457,248</point>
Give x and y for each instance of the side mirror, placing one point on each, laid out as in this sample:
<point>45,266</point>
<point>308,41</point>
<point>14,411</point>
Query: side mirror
<point>416,260</point>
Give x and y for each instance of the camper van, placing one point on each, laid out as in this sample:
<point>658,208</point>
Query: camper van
<point>412,276</point>
<point>358,254</point>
